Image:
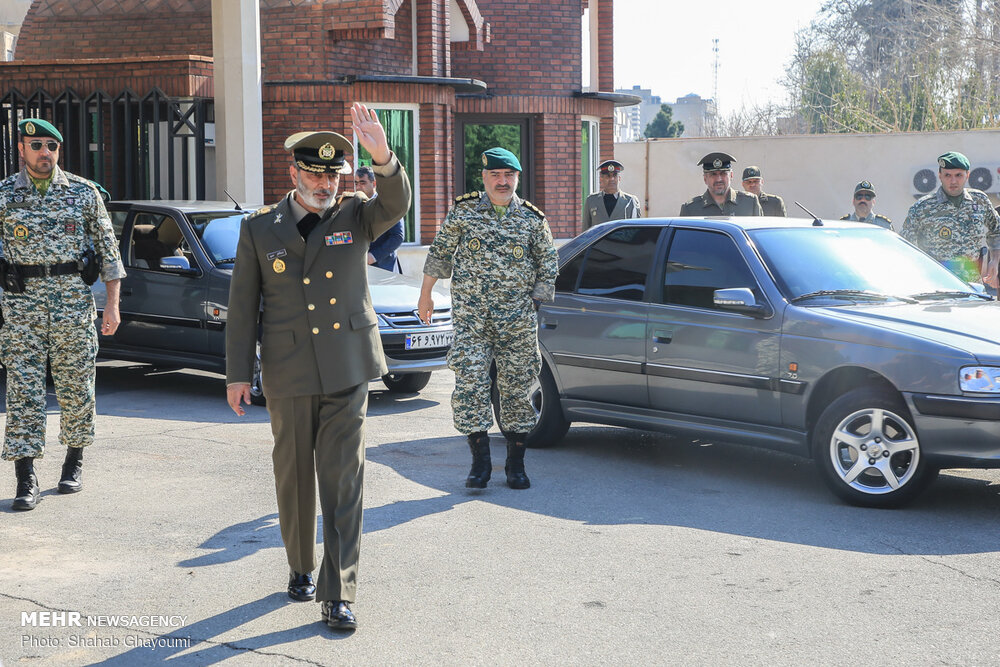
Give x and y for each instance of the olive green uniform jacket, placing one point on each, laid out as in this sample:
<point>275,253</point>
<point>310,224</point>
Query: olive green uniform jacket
<point>595,212</point>
<point>737,203</point>
<point>772,205</point>
<point>319,332</point>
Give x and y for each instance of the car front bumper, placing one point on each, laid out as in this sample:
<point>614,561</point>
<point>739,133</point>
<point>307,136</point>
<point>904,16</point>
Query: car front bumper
<point>957,431</point>
<point>400,360</point>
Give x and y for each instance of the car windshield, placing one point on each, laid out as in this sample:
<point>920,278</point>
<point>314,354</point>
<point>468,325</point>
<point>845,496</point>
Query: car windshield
<point>219,233</point>
<point>853,264</point>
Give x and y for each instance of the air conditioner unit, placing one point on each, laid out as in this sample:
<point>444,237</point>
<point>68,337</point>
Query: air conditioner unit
<point>984,177</point>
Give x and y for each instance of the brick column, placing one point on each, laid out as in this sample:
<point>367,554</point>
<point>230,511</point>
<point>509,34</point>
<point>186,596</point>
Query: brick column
<point>437,146</point>
<point>433,40</point>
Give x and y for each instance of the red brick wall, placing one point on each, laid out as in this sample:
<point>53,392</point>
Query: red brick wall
<point>176,76</point>
<point>535,48</point>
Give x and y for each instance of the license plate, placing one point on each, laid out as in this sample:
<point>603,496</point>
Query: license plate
<point>415,341</point>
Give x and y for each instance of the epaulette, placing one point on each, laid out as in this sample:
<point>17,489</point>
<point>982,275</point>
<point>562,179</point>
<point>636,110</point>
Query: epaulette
<point>475,194</point>
<point>263,211</point>
<point>884,217</point>
<point>351,193</point>
<point>531,207</point>
<point>846,217</point>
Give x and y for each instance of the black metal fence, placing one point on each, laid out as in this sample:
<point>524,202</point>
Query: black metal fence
<point>149,147</point>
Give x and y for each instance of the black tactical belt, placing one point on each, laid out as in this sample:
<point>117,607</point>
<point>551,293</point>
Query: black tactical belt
<point>42,270</point>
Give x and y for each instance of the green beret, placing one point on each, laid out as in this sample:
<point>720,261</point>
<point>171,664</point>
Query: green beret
<point>36,128</point>
<point>954,160</point>
<point>500,158</point>
<point>751,172</point>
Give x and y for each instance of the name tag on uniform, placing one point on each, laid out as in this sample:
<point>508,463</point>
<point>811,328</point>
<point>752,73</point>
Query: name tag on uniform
<point>340,238</point>
<point>276,254</point>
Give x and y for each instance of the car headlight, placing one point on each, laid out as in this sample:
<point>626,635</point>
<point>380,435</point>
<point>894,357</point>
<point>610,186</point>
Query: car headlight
<point>981,379</point>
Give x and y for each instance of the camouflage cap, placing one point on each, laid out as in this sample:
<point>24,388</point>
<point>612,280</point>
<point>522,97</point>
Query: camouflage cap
<point>36,128</point>
<point>500,158</point>
<point>954,160</point>
<point>751,172</point>
<point>320,152</point>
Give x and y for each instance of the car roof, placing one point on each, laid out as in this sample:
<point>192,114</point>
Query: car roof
<point>187,205</point>
<point>746,223</point>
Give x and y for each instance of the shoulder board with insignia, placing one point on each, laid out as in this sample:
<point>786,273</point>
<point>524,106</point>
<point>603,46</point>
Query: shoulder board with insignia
<point>264,211</point>
<point>845,217</point>
<point>884,217</point>
<point>531,207</point>
<point>475,194</point>
<point>345,195</point>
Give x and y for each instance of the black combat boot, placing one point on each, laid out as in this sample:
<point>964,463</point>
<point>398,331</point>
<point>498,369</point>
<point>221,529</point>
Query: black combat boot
<point>27,484</point>
<point>516,478</point>
<point>482,466</point>
<point>71,471</point>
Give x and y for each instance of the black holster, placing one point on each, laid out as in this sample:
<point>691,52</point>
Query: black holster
<point>90,266</point>
<point>10,277</point>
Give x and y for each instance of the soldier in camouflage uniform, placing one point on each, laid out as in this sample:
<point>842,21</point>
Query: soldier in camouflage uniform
<point>47,219</point>
<point>498,251</point>
<point>956,225</point>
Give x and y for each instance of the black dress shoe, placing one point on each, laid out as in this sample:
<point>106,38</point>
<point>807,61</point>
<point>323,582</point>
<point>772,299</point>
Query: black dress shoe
<point>301,587</point>
<point>338,615</point>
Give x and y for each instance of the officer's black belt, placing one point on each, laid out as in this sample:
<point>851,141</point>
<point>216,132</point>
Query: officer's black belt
<point>42,270</point>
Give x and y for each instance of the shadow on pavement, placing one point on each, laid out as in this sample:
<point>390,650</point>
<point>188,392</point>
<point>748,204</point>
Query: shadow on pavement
<point>610,476</point>
<point>200,634</point>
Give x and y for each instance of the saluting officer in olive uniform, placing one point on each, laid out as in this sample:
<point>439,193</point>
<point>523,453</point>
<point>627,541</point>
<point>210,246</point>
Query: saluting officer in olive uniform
<point>306,259</point>
<point>864,202</point>
<point>48,219</point>
<point>610,203</point>
<point>498,251</point>
<point>720,198</point>
<point>753,183</point>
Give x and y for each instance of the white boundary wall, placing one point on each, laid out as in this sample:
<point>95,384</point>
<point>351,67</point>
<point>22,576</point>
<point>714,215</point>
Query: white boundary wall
<point>818,170</point>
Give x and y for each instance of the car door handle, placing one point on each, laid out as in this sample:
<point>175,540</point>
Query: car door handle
<point>549,324</point>
<point>663,336</point>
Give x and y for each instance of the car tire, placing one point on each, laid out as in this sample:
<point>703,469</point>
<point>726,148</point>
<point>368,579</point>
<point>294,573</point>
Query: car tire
<point>256,382</point>
<point>868,451</point>
<point>551,426</point>
<point>406,383</point>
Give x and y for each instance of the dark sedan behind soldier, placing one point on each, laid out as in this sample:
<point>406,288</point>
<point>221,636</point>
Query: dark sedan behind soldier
<point>720,198</point>
<point>957,225</point>
<point>301,272</point>
<point>753,183</point>
<point>610,203</point>
<point>864,202</point>
<point>498,251</point>
<point>49,219</point>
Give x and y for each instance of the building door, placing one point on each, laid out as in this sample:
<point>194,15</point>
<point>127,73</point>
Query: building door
<point>477,133</point>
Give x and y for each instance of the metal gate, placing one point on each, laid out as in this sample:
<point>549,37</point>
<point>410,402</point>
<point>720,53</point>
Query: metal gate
<point>150,147</point>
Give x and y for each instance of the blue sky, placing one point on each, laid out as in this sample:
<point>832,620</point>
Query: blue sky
<point>667,46</point>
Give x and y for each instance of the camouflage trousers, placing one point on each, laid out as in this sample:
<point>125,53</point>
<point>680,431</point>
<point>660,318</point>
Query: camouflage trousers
<point>513,343</point>
<point>70,348</point>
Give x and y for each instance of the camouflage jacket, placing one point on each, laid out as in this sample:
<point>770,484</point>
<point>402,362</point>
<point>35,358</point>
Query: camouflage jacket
<point>494,262</point>
<point>954,235</point>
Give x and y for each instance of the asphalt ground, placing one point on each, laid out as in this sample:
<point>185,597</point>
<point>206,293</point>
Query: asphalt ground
<point>630,548</point>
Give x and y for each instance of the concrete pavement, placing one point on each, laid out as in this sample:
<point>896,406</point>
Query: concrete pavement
<point>630,548</point>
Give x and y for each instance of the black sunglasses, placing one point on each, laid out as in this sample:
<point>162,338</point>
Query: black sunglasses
<point>864,195</point>
<point>53,146</point>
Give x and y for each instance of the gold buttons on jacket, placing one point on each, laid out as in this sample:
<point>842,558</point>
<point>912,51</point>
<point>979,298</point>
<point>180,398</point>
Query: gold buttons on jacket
<point>336,325</point>
<point>329,274</point>
<point>311,307</point>
<point>333,301</point>
<point>305,281</point>
<point>315,330</point>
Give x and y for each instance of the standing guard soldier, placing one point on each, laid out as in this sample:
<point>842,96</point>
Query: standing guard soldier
<point>51,220</point>
<point>753,183</point>
<point>720,198</point>
<point>957,225</point>
<point>498,251</point>
<point>301,272</point>
<point>610,203</point>
<point>864,203</point>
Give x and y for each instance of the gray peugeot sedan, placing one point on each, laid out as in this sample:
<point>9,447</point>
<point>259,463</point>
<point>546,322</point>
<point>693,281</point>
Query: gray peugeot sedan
<point>179,257</point>
<point>838,341</point>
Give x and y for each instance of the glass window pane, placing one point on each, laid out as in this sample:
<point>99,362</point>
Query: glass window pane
<point>398,124</point>
<point>481,136</point>
<point>698,263</point>
<point>617,265</point>
<point>566,280</point>
<point>586,165</point>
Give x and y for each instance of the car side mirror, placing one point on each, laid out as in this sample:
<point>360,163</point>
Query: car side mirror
<point>740,300</point>
<point>175,264</point>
